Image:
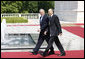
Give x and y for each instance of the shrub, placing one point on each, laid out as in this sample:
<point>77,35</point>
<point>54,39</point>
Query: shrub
<point>14,19</point>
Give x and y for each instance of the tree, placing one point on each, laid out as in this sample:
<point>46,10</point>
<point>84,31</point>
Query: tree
<point>9,7</point>
<point>33,6</point>
<point>45,5</point>
<point>25,6</point>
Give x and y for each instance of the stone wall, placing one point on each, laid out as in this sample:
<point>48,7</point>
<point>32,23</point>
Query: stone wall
<point>70,11</point>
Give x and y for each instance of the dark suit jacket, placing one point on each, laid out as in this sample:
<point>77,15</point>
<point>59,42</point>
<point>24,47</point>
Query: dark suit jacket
<point>44,24</point>
<point>55,27</point>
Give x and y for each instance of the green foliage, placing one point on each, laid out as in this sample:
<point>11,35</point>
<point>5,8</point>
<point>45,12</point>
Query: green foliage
<point>46,5</point>
<point>33,5</point>
<point>14,19</point>
<point>9,7</point>
<point>25,6</point>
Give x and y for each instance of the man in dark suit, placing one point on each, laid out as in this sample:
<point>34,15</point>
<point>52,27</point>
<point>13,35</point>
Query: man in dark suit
<point>44,33</point>
<point>55,30</point>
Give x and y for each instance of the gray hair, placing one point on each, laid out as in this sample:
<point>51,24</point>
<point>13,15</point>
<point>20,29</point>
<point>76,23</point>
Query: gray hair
<point>41,10</point>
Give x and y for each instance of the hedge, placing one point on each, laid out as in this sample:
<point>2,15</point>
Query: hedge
<point>14,19</point>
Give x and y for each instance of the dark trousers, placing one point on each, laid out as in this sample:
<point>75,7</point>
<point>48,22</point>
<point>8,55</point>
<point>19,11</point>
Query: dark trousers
<point>41,39</point>
<point>57,42</point>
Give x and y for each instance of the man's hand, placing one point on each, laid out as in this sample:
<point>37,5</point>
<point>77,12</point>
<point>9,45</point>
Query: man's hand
<point>60,34</point>
<point>45,32</point>
<point>38,30</point>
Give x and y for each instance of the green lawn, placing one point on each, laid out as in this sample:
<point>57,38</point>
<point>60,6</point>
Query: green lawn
<point>14,19</point>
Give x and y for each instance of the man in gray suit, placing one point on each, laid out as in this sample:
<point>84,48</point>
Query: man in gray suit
<point>55,30</point>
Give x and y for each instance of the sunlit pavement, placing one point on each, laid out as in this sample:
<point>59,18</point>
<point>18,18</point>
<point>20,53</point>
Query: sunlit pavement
<point>69,40</point>
<point>72,39</point>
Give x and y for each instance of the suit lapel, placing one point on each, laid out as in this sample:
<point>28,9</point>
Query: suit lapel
<point>51,18</point>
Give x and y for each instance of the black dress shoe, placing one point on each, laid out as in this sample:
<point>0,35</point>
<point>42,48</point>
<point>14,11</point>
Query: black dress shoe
<point>51,52</point>
<point>62,54</point>
<point>44,54</point>
<point>34,53</point>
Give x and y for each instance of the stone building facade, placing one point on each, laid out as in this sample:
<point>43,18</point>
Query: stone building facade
<point>70,11</point>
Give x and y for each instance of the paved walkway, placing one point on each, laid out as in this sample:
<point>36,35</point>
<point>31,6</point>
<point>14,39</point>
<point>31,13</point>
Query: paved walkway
<point>72,41</point>
<point>69,40</point>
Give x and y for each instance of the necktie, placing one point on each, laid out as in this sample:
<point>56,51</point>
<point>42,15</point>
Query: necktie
<point>41,19</point>
<point>50,17</point>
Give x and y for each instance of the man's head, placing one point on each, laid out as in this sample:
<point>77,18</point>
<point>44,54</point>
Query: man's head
<point>50,12</point>
<point>42,11</point>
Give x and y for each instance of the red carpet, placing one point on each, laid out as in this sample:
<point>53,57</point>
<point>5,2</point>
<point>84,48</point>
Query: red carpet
<point>75,30</point>
<point>69,54</point>
<point>79,24</point>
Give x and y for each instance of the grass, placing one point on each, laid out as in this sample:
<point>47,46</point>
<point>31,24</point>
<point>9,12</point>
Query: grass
<point>14,19</point>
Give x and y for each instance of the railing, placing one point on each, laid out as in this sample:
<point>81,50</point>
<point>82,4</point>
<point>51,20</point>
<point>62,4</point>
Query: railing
<point>25,15</point>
